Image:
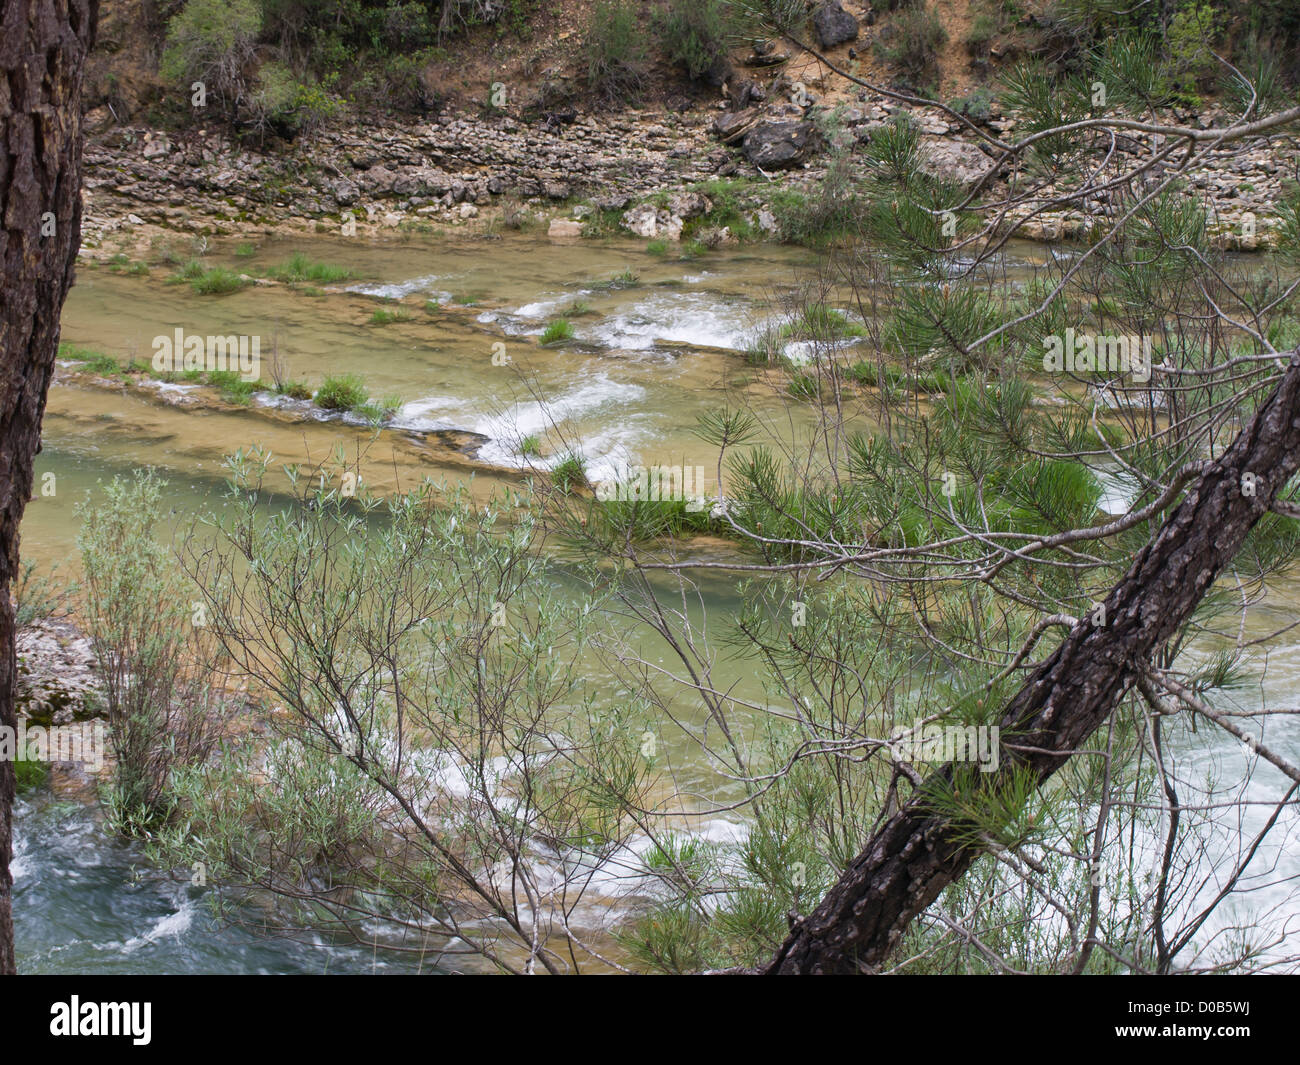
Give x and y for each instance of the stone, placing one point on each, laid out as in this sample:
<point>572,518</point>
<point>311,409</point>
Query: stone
<point>642,221</point>
<point>58,678</point>
<point>688,205</point>
<point>564,229</point>
<point>833,24</point>
<point>779,145</point>
<point>953,160</point>
<point>733,125</point>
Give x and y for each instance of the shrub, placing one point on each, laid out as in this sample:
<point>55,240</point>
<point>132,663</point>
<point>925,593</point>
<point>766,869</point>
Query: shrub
<point>213,41</point>
<point>286,106</point>
<point>161,711</point>
<point>615,51</point>
<point>914,46</point>
<point>38,595</point>
<point>694,35</point>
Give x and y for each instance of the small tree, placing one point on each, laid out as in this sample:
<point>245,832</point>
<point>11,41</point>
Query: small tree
<point>213,42</point>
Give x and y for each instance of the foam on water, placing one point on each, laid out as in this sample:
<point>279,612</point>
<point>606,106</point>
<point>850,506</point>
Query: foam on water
<point>397,289</point>
<point>689,318</point>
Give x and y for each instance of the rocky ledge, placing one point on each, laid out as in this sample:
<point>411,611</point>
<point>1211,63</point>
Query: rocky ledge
<point>462,168</point>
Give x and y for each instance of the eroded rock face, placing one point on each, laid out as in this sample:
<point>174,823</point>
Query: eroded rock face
<point>778,145</point>
<point>833,24</point>
<point>58,678</point>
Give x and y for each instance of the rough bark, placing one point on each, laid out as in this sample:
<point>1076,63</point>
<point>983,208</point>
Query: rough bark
<point>918,852</point>
<point>43,46</point>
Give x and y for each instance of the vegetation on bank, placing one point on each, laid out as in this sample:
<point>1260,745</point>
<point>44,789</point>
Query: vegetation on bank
<point>279,71</point>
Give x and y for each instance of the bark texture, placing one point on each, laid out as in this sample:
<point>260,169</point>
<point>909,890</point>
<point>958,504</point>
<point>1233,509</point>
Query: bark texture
<point>43,46</point>
<point>918,852</point>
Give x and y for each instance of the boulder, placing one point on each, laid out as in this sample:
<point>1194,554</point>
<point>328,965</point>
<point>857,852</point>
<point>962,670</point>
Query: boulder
<point>564,229</point>
<point>58,678</point>
<point>953,160</point>
<point>731,126</point>
<point>833,24</point>
<point>778,145</point>
<point>688,205</point>
<point>642,221</point>
<point>651,222</point>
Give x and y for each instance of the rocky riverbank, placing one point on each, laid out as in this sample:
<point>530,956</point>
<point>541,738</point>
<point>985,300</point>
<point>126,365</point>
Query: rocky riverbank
<point>468,171</point>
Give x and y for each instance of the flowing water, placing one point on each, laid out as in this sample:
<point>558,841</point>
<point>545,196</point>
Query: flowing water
<point>646,359</point>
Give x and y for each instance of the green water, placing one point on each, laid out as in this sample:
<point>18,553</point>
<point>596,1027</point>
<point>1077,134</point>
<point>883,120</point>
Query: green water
<point>645,361</point>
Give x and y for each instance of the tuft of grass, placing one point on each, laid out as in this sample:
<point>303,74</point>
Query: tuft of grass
<point>530,447</point>
<point>629,278</point>
<point>432,306</point>
<point>298,267</point>
<point>381,411</point>
<point>245,251</point>
<point>657,247</point>
<point>342,392</point>
<point>293,389</point>
<point>233,388</point>
<point>816,321</point>
<point>569,473</point>
<point>385,316</point>
<point>93,361</point>
<point>557,331</point>
<point>209,281</point>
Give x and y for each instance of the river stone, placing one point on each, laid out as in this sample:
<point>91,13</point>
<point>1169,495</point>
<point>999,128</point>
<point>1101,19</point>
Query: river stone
<point>643,221</point>
<point>564,228</point>
<point>833,24</point>
<point>778,145</point>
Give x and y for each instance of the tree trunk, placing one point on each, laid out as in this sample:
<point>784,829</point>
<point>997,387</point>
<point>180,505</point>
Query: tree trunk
<point>918,852</point>
<point>43,46</point>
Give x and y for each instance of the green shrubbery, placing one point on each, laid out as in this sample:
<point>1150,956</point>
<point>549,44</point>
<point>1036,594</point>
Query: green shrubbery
<point>615,51</point>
